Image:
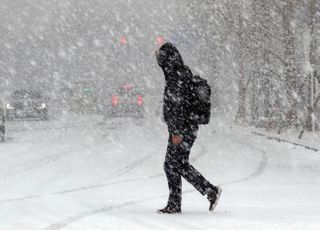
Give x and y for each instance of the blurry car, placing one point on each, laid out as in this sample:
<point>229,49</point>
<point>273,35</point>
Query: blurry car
<point>84,97</point>
<point>26,104</point>
<point>2,122</point>
<point>127,101</point>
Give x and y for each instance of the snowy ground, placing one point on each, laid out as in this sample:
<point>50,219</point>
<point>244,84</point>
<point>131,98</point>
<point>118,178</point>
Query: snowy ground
<point>87,173</point>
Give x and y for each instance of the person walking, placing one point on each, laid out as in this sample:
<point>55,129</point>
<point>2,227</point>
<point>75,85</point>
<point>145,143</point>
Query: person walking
<point>179,105</point>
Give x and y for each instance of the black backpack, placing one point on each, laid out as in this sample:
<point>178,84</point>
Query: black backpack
<point>201,104</point>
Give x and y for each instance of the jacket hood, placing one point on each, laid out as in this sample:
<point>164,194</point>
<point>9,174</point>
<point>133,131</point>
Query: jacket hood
<point>169,57</point>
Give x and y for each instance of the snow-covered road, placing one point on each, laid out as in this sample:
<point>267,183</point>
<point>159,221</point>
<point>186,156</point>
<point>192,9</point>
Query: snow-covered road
<point>93,174</point>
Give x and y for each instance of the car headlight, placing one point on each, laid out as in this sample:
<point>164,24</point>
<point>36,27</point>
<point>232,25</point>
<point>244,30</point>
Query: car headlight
<point>9,106</point>
<point>42,106</point>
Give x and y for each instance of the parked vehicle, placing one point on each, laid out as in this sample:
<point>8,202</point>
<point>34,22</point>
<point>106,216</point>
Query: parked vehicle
<point>127,101</point>
<point>26,104</point>
<point>84,98</point>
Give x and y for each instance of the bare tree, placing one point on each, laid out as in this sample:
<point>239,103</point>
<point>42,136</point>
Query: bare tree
<point>241,114</point>
<point>290,68</point>
<point>313,24</point>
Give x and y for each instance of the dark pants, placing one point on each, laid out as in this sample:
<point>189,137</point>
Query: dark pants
<point>177,164</point>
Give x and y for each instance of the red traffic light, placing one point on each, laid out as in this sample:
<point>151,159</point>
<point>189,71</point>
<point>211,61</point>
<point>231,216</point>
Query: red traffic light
<point>160,41</point>
<point>123,40</point>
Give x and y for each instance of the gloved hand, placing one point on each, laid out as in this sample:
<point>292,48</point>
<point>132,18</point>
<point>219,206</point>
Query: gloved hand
<point>177,139</point>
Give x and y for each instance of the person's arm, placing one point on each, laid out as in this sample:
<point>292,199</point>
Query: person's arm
<point>173,115</point>
<point>175,119</point>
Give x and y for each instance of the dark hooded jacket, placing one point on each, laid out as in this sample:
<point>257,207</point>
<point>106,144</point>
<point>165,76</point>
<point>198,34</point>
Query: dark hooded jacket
<point>178,99</point>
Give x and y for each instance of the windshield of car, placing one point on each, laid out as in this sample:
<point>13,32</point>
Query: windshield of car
<point>26,94</point>
<point>127,92</point>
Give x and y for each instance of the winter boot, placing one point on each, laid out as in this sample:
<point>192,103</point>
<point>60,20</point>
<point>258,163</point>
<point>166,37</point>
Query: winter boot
<point>213,198</point>
<point>169,210</point>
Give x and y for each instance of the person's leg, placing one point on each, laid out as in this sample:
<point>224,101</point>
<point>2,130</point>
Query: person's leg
<point>193,176</point>
<point>172,168</point>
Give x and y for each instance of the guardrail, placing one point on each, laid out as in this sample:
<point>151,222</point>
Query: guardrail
<point>284,140</point>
